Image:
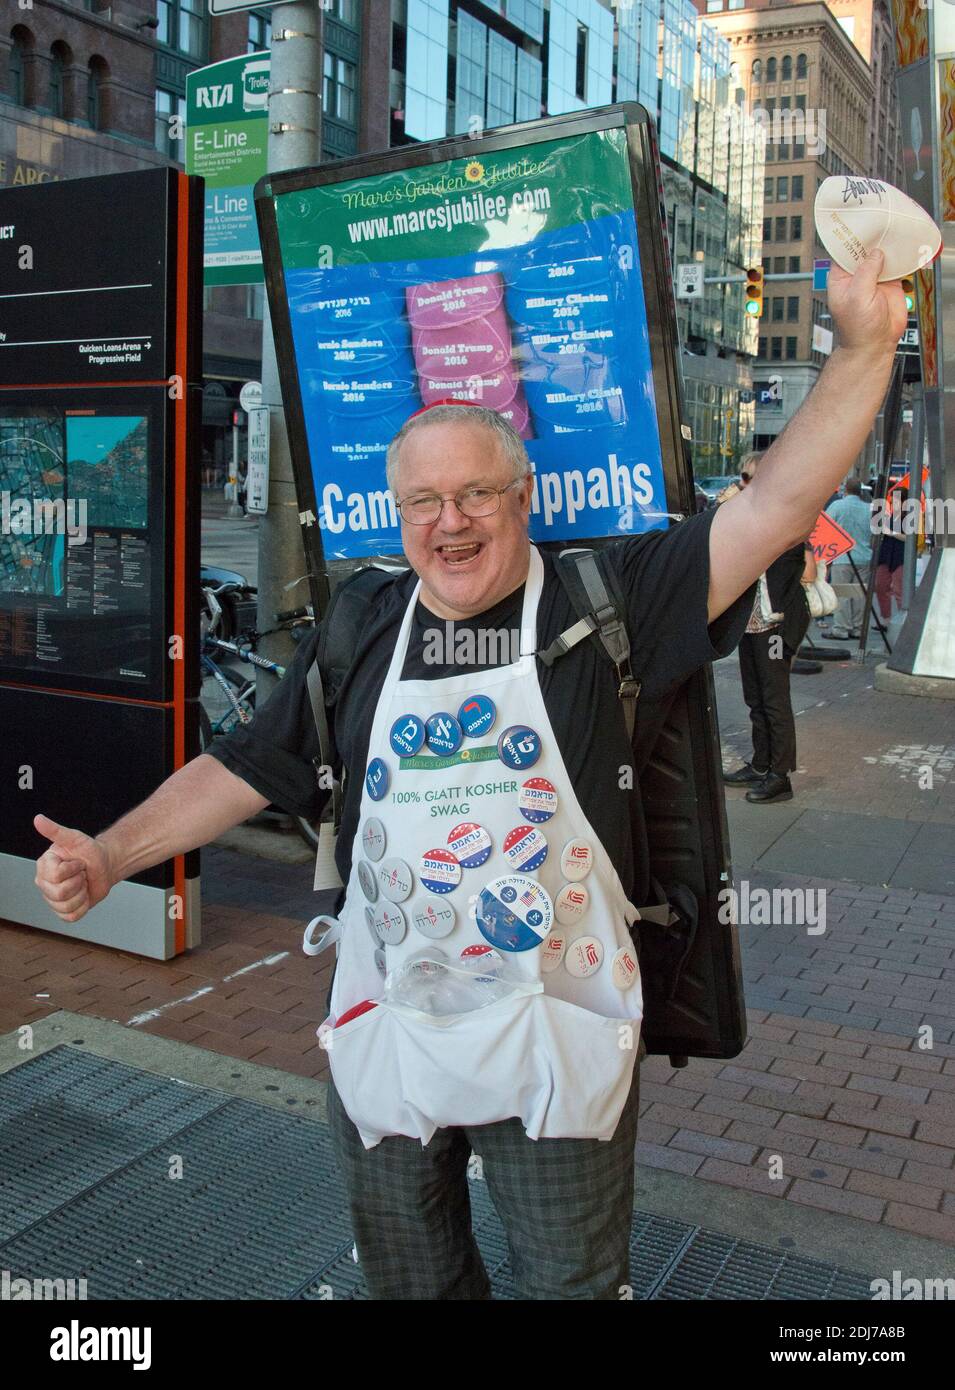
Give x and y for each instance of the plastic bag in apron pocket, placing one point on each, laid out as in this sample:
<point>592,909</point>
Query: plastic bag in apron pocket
<point>561,1069</point>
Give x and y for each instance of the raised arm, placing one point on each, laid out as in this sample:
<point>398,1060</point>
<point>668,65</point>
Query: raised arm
<point>820,443</point>
<point>189,809</point>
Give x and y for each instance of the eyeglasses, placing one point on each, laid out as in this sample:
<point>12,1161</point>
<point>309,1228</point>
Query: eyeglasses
<point>425,507</point>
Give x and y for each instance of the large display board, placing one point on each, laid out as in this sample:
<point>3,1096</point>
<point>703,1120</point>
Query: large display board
<point>100,409</point>
<point>526,270</point>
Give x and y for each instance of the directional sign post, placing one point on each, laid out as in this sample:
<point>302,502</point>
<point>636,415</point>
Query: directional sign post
<point>689,280</point>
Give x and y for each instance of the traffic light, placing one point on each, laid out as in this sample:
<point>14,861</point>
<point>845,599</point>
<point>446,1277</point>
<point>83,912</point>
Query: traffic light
<point>753,298</point>
<point>908,285</point>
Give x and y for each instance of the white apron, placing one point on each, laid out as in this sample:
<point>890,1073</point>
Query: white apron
<point>559,1051</point>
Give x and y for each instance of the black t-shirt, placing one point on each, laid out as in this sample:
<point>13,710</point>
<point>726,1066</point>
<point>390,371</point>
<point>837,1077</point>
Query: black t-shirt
<point>664,577</point>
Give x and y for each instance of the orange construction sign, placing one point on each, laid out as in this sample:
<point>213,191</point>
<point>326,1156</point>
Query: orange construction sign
<point>828,540</point>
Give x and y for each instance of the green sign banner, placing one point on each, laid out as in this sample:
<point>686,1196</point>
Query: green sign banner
<point>226,143</point>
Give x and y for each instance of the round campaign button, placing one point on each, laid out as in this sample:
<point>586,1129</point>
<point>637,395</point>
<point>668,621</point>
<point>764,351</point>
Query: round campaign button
<point>537,799</point>
<point>552,951</point>
<point>514,913</point>
<point>439,871</point>
<point>381,964</point>
<point>376,779</point>
<point>477,715</point>
<point>407,735</point>
<point>483,961</point>
<point>434,919</point>
<point>370,924</point>
<point>367,881</point>
<point>577,860</point>
<point>584,957</point>
<point>445,734</point>
<point>390,924</point>
<point>571,903</point>
<point>470,844</point>
<point>373,839</point>
<point>624,969</point>
<point>395,880</point>
<point>524,848</point>
<point>519,747</point>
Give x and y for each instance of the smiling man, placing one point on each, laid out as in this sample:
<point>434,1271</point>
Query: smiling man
<point>485,828</point>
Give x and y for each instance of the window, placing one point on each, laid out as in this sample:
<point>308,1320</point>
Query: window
<point>581,79</point>
<point>802,65</point>
<point>781,229</point>
<point>56,83</point>
<point>791,353</point>
<point>757,69</point>
<point>254,301</point>
<point>260,33</point>
<point>17,54</point>
<point>776,305</point>
<point>787,68</point>
<point>779,265</point>
<point>800,103</point>
<point>767,264</point>
<point>767,190</point>
<point>338,92</point>
<point>775,349</point>
<point>782,189</point>
<point>345,10</point>
<point>771,70</point>
<point>795,265</point>
<point>799,152</point>
<point>796,233</point>
<point>168,105</point>
<point>736,4</point>
<point>762,348</point>
<point>792,308</point>
<point>785,103</point>
<point>192,27</point>
<point>95,72</point>
<point>797,188</point>
<point>770,153</point>
<point>767,229</point>
<point>712,6</point>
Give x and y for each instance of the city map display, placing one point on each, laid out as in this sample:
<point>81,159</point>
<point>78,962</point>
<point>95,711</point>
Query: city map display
<point>75,557</point>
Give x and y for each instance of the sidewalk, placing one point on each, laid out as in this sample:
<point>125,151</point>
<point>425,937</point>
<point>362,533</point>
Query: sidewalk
<point>833,1081</point>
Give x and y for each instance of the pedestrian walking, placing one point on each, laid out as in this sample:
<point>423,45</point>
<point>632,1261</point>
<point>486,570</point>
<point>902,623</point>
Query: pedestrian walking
<point>538,1085</point>
<point>776,627</point>
<point>854,516</point>
<point>891,558</point>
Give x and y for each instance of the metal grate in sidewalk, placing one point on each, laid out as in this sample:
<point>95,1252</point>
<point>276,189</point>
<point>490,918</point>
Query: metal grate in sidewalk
<point>150,1188</point>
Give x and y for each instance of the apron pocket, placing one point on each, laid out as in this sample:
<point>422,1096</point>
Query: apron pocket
<point>562,1070</point>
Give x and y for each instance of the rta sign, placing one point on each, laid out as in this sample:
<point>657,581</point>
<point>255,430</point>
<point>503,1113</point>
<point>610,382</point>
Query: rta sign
<point>214,96</point>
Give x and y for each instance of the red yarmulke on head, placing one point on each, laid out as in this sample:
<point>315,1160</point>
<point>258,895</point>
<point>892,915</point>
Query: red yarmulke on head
<point>451,400</point>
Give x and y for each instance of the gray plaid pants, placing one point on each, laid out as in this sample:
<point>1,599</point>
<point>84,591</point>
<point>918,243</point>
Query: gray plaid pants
<point>565,1205</point>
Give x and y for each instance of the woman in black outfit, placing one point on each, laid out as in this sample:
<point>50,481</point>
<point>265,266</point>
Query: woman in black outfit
<point>766,653</point>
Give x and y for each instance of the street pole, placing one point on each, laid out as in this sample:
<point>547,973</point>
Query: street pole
<point>294,142</point>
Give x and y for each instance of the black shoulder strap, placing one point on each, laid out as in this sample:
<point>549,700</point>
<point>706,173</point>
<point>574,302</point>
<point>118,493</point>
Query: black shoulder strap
<point>599,614</point>
<point>342,625</point>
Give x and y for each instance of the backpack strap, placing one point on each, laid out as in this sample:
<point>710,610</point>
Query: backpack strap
<point>599,615</point>
<point>342,625</point>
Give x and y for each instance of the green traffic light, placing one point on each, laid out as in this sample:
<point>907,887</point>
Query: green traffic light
<point>752,307</point>
<point>909,303</point>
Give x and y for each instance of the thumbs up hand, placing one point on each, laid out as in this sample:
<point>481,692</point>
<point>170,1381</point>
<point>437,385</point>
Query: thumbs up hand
<point>74,873</point>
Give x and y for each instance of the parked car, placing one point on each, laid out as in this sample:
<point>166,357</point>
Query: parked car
<point>713,486</point>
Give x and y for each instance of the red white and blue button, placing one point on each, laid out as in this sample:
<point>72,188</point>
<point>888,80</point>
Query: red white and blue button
<point>444,734</point>
<point>518,747</point>
<point>514,913</point>
<point>477,715</point>
<point>470,844</point>
<point>439,871</point>
<point>407,736</point>
<point>537,799</point>
<point>377,779</point>
<point>524,848</point>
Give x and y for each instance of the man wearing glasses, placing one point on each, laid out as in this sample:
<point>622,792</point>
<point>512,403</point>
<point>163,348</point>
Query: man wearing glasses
<point>488,828</point>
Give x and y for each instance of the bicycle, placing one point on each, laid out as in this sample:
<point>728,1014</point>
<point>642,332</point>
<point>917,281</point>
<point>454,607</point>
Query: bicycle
<point>227,696</point>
